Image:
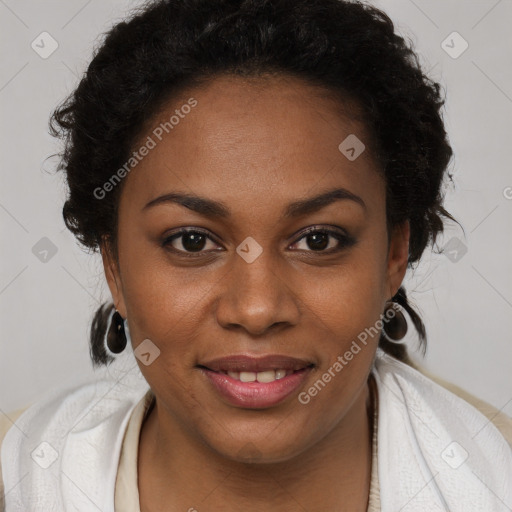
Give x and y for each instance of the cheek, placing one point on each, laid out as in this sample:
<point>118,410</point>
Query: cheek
<point>161,299</point>
<point>349,298</point>
<point>345,314</point>
<point>166,310</point>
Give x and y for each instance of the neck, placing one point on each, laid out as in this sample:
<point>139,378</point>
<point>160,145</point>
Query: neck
<point>333,472</point>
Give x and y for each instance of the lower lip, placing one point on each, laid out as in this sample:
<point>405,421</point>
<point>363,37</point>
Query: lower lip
<point>255,395</point>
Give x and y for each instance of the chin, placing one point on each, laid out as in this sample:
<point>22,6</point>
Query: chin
<point>261,450</point>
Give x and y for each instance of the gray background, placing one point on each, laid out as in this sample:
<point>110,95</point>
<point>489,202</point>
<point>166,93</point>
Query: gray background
<point>46,306</point>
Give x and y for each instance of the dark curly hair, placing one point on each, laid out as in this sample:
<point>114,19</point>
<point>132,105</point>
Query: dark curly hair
<point>348,47</point>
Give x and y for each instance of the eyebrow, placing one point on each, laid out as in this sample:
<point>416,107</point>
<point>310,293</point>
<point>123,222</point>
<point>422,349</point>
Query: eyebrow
<point>210,208</point>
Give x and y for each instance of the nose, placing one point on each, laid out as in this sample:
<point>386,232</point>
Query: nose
<point>257,296</point>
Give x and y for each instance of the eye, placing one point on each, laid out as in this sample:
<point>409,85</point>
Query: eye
<point>317,240</point>
<point>190,240</point>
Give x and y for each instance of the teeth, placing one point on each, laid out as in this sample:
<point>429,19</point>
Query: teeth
<point>247,376</point>
<point>266,376</point>
<point>280,374</point>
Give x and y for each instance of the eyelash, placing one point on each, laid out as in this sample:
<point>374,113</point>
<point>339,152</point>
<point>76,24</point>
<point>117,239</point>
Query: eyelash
<point>345,241</point>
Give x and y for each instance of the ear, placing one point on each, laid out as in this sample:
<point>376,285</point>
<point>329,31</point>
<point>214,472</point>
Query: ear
<point>398,256</point>
<point>113,277</point>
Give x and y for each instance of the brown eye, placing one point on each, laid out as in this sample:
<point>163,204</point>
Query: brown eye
<point>318,240</point>
<point>191,241</point>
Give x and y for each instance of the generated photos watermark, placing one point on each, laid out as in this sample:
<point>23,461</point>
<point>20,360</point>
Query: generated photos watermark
<point>343,360</point>
<point>150,143</point>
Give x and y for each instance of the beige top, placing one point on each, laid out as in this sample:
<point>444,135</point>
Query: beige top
<point>126,490</point>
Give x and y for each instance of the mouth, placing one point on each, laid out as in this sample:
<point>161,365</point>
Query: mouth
<point>243,363</point>
<point>264,376</point>
<point>251,382</point>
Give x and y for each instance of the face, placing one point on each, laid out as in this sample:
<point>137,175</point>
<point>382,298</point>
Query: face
<point>255,276</point>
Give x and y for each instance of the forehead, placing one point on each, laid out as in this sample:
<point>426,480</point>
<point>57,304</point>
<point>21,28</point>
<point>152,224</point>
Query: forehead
<point>260,141</point>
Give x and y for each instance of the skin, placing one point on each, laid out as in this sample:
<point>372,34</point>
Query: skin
<point>256,145</point>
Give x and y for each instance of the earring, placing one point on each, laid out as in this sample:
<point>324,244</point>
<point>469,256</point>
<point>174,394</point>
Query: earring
<point>115,336</point>
<point>394,326</point>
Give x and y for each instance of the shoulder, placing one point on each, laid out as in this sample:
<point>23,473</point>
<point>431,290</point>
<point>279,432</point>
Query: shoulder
<point>89,404</point>
<point>496,417</point>
<point>64,418</point>
<point>6,422</point>
<point>500,420</point>
<point>450,404</point>
<point>425,429</point>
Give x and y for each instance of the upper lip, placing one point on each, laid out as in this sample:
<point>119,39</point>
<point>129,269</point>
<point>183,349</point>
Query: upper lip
<point>237,363</point>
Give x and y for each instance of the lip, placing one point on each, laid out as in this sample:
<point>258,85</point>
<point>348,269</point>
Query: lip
<point>245,363</point>
<point>255,395</point>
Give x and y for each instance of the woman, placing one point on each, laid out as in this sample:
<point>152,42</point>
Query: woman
<point>258,177</point>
